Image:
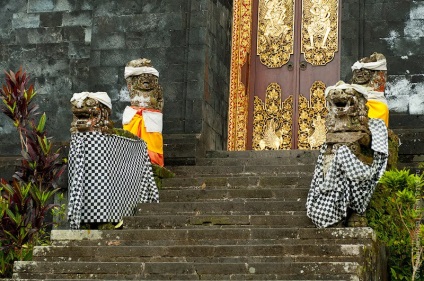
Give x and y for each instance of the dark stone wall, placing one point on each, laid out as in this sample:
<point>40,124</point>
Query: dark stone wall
<point>394,28</point>
<point>217,71</point>
<point>72,46</point>
<point>83,45</point>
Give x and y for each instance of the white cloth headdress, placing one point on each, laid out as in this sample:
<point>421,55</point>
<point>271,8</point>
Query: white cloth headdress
<point>366,92</point>
<point>378,65</point>
<point>134,71</point>
<point>98,96</point>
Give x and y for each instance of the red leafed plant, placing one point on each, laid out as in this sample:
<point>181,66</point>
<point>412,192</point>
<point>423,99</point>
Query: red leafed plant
<point>27,199</point>
<point>40,163</point>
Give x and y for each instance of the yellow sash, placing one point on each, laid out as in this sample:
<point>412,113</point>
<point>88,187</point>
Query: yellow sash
<point>153,140</point>
<point>377,109</point>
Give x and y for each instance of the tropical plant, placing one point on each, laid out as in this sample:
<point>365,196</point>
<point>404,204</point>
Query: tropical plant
<point>395,213</point>
<point>40,164</point>
<point>27,199</point>
<point>23,209</point>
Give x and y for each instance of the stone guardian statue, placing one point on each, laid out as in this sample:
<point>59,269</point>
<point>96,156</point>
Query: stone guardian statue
<point>91,112</point>
<point>144,116</point>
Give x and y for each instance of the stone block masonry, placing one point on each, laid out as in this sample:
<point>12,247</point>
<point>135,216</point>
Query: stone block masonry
<point>82,45</point>
<point>396,29</point>
<point>73,46</point>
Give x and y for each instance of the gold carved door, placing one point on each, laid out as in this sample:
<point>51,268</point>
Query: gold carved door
<point>284,53</point>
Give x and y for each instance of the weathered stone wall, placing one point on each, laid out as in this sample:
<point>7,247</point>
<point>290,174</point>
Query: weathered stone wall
<point>82,45</point>
<point>73,46</point>
<point>217,71</point>
<point>396,29</point>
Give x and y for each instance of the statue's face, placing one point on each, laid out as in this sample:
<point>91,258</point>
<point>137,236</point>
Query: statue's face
<point>342,102</point>
<point>143,82</point>
<point>346,111</point>
<point>361,76</point>
<point>144,90</point>
<point>90,115</point>
<point>87,108</point>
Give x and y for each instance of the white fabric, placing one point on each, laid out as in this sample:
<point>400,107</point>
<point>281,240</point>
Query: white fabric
<point>345,86</point>
<point>134,71</point>
<point>374,95</point>
<point>98,96</point>
<point>152,121</point>
<point>378,65</point>
<point>128,114</point>
<point>367,92</point>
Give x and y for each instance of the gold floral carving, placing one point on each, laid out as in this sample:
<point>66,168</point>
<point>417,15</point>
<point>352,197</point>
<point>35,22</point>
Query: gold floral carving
<point>311,134</point>
<point>275,32</point>
<point>272,121</point>
<point>319,30</point>
<point>238,101</point>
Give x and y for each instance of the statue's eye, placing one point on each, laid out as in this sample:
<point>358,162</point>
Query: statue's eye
<point>146,84</point>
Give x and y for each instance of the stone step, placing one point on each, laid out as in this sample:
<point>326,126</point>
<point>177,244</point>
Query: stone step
<point>235,259</point>
<point>293,155</point>
<point>241,170</point>
<point>222,207</point>
<point>210,242</point>
<point>234,216</point>
<point>247,162</point>
<point>233,277</point>
<point>191,253</point>
<point>209,235</point>
<point>237,182</point>
<point>288,219</point>
<point>265,194</point>
<point>187,270</point>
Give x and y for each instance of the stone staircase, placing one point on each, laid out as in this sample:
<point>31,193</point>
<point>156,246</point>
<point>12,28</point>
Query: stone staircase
<point>233,216</point>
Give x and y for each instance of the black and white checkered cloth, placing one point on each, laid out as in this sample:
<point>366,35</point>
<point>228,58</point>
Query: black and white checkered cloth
<point>108,176</point>
<point>348,183</point>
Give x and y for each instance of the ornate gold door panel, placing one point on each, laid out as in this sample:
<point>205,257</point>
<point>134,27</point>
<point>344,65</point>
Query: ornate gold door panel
<point>319,31</point>
<point>275,32</point>
<point>272,121</point>
<point>312,113</point>
<point>238,101</point>
<point>284,53</point>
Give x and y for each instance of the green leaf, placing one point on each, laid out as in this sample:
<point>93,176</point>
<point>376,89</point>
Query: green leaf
<point>41,123</point>
<point>11,108</point>
<point>16,218</point>
<point>47,144</point>
<point>42,144</point>
<point>32,165</point>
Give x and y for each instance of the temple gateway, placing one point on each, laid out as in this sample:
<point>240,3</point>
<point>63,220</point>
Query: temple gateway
<point>236,74</point>
<point>241,98</point>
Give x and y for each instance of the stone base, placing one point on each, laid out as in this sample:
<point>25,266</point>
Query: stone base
<point>357,220</point>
